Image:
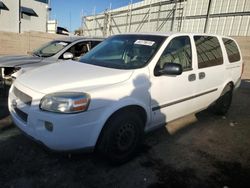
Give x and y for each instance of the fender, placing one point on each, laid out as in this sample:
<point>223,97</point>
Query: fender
<point>128,101</point>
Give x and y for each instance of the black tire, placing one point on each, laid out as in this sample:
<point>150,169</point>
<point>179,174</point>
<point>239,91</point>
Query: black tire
<point>121,137</point>
<point>223,104</point>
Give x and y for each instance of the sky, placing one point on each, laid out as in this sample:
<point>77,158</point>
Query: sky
<point>68,12</point>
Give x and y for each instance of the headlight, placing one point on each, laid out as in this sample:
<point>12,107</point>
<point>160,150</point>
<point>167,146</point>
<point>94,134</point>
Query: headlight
<point>65,102</point>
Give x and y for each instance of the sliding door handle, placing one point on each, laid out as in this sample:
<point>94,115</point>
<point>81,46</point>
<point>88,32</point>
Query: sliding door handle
<point>202,75</point>
<point>191,77</point>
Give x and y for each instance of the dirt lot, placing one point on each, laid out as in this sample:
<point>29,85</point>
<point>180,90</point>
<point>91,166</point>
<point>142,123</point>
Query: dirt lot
<point>212,152</point>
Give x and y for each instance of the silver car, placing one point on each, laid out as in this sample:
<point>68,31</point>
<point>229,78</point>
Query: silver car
<point>53,52</point>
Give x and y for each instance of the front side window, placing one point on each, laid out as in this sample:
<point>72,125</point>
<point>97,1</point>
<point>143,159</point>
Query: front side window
<point>50,48</point>
<point>208,51</point>
<point>124,51</point>
<point>232,50</point>
<point>177,51</point>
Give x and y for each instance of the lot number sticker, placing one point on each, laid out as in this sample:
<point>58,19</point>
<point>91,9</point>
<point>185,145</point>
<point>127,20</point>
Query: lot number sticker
<point>63,43</point>
<point>145,42</point>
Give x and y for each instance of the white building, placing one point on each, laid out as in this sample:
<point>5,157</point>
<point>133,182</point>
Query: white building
<point>52,26</point>
<point>226,17</point>
<point>23,15</point>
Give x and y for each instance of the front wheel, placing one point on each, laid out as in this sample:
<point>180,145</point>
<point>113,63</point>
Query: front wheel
<point>121,137</point>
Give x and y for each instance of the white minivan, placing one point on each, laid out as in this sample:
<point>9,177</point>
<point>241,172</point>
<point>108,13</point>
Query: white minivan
<point>127,85</point>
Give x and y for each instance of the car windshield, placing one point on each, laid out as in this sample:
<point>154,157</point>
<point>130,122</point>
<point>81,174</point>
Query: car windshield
<point>124,51</point>
<point>50,48</point>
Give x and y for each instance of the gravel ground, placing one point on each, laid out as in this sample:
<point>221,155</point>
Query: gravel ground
<point>211,152</point>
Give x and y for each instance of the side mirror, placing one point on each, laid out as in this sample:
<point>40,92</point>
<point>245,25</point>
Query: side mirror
<point>68,55</point>
<point>169,69</point>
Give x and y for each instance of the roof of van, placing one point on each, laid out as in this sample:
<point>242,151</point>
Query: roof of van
<point>167,34</point>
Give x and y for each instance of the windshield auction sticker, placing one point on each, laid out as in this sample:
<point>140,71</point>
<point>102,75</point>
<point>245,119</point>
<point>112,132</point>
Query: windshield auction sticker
<point>144,42</point>
<point>63,43</point>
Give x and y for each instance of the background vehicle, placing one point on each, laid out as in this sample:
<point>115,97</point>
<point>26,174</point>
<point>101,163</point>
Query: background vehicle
<point>143,82</point>
<point>55,51</point>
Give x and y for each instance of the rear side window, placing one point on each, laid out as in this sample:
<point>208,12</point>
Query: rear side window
<point>232,50</point>
<point>208,51</point>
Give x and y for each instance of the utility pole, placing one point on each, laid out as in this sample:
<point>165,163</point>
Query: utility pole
<point>49,9</point>
<point>69,21</point>
<point>82,19</point>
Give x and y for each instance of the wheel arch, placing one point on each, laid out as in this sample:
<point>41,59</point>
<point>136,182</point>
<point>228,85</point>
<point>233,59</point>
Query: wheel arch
<point>132,107</point>
<point>227,87</point>
<point>136,108</point>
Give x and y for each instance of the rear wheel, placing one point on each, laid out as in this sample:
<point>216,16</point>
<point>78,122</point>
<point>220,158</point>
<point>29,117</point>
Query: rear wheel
<point>223,104</point>
<point>121,137</point>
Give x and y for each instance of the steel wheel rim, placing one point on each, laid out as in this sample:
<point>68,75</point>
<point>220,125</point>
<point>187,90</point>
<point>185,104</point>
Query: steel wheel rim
<point>125,137</point>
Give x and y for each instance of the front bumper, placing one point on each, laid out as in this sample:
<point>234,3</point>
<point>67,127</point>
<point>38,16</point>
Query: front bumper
<point>70,131</point>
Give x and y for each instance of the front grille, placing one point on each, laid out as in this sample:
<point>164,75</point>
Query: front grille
<point>21,114</point>
<point>22,96</point>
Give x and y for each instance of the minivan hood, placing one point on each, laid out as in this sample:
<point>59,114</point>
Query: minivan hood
<point>71,76</point>
<point>18,61</point>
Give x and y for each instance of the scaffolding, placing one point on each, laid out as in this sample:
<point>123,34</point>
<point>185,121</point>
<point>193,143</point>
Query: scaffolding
<point>172,15</point>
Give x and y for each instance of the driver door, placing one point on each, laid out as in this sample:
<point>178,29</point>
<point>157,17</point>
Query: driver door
<point>172,94</point>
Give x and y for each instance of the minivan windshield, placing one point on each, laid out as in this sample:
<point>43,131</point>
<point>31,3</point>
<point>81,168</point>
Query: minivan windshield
<point>50,48</point>
<point>124,51</point>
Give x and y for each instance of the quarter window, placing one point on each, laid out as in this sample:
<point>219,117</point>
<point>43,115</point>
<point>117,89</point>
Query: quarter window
<point>208,51</point>
<point>232,50</point>
<point>177,51</point>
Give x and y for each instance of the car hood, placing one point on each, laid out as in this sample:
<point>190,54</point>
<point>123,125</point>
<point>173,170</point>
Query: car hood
<point>71,76</point>
<point>18,61</point>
